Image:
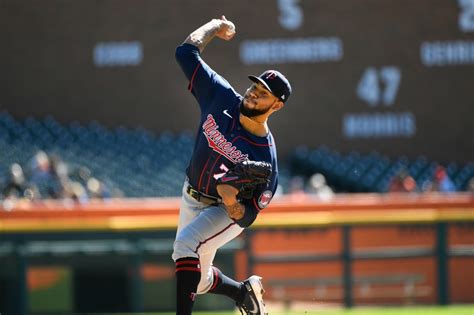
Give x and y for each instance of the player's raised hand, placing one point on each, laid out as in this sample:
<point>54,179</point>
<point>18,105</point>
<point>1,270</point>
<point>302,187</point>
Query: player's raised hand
<point>227,29</point>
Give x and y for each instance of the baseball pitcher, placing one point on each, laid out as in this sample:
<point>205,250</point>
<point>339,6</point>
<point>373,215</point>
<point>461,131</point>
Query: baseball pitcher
<point>232,174</point>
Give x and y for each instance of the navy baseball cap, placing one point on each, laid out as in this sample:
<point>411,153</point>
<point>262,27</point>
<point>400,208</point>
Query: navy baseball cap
<point>275,82</point>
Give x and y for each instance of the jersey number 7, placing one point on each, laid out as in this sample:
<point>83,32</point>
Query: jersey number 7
<point>219,175</point>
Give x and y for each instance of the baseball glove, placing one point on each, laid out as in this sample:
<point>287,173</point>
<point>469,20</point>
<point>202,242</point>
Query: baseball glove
<point>246,176</point>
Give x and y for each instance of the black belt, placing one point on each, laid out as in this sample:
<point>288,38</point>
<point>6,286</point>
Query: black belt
<point>201,197</point>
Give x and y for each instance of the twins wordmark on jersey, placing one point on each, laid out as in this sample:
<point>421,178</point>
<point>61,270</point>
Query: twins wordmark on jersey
<point>219,143</point>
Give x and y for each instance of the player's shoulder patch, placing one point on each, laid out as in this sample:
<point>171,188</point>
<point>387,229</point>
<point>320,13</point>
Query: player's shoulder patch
<point>264,199</point>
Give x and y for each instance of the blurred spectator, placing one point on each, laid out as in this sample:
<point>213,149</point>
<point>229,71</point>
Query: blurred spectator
<point>296,185</point>
<point>82,174</point>
<point>441,181</point>
<point>470,185</point>
<point>51,175</point>
<point>296,188</point>
<point>59,168</point>
<point>402,182</point>
<point>17,186</point>
<point>97,189</point>
<point>48,176</point>
<point>40,167</point>
<point>317,186</point>
<point>41,176</point>
<point>75,191</point>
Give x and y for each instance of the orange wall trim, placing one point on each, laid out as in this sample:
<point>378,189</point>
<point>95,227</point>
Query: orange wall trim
<point>286,211</point>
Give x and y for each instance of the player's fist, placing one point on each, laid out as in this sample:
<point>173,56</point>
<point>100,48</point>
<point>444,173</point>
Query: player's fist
<point>235,211</point>
<point>226,30</point>
<point>228,193</point>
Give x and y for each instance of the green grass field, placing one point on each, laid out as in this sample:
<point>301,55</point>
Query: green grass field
<point>416,310</point>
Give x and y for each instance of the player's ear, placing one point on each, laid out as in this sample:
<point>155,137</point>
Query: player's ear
<point>277,106</point>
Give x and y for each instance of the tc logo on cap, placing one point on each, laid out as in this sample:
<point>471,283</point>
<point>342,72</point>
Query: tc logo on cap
<point>270,75</point>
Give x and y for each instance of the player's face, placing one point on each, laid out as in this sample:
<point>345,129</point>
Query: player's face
<point>257,101</point>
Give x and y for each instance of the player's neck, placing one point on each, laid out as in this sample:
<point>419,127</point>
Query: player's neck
<point>256,125</point>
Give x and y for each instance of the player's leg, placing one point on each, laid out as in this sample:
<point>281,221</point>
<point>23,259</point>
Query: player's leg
<point>200,232</point>
<point>188,274</point>
<point>189,209</point>
<point>188,269</point>
<point>213,280</point>
<point>201,238</point>
<point>223,285</point>
<point>248,294</point>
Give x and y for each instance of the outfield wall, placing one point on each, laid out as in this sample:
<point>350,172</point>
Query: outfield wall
<point>354,249</point>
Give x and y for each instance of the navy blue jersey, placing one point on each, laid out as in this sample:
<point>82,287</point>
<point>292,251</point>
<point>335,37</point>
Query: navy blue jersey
<point>221,141</point>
